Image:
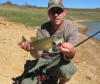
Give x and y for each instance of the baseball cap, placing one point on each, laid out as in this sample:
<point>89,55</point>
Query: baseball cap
<point>55,3</point>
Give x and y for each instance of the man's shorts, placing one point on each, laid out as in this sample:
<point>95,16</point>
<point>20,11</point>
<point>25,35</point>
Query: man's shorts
<point>61,68</point>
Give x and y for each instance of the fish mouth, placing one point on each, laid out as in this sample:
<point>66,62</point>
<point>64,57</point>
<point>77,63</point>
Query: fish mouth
<point>57,43</point>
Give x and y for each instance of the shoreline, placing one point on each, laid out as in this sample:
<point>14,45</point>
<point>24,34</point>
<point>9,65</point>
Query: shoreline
<point>78,21</point>
<point>83,28</point>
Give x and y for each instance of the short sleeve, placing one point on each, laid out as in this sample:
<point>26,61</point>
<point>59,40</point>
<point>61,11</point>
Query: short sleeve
<point>41,33</point>
<point>73,35</point>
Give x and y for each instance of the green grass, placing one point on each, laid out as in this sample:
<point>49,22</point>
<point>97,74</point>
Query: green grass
<point>33,16</point>
<point>84,14</point>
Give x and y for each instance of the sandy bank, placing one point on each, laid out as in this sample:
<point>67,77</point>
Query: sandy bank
<point>13,58</point>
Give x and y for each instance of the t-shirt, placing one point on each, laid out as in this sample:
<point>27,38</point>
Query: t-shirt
<point>69,33</point>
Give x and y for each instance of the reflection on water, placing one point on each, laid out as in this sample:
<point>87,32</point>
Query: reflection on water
<point>93,27</point>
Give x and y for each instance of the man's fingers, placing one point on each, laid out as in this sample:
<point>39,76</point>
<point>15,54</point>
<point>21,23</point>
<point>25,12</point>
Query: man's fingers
<point>64,49</point>
<point>25,46</point>
<point>28,47</point>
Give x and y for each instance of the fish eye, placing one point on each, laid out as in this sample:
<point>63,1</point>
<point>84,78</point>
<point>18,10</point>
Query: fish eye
<point>53,43</point>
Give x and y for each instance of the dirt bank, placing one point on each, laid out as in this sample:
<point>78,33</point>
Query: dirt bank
<point>13,58</point>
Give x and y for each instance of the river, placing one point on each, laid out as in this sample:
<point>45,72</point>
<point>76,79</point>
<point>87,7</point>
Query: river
<point>93,27</point>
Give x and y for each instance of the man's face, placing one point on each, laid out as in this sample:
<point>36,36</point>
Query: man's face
<point>56,15</point>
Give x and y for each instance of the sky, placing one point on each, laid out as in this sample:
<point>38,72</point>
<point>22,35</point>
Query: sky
<point>67,3</point>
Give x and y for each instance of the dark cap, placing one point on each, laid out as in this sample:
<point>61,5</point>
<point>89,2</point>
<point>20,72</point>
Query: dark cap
<point>55,3</point>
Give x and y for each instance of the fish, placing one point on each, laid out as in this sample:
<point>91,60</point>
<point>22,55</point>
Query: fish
<point>43,44</point>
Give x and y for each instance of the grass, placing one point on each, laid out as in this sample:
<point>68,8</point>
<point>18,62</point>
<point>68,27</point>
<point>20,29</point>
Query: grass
<point>84,14</point>
<point>33,16</point>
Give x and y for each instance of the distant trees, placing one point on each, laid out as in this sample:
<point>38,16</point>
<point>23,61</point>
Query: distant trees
<point>26,5</point>
<point>8,3</point>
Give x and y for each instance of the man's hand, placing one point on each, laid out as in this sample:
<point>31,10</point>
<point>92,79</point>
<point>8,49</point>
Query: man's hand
<point>26,46</point>
<point>68,49</point>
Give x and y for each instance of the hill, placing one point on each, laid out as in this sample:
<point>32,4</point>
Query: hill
<point>29,15</point>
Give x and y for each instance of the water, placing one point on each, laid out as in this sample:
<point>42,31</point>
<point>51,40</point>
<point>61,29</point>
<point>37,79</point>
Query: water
<point>93,27</point>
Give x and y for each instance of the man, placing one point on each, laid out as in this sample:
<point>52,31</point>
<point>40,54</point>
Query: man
<point>58,27</point>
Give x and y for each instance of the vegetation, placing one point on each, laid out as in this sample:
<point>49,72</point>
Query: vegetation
<point>25,15</point>
<point>35,16</point>
<point>84,14</point>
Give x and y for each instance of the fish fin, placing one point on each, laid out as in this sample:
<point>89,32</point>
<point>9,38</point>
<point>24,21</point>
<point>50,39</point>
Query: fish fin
<point>33,39</point>
<point>35,54</point>
<point>23,40</point>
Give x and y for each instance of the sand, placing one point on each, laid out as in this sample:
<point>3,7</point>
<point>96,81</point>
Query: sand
<point>13,58</point>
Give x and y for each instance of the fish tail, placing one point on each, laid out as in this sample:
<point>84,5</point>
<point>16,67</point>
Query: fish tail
<point>23,40</point>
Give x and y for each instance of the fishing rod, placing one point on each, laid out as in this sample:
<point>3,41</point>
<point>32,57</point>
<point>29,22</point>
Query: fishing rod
<point>87,38</point>
<point>53,59</point>
<point>79,43</point>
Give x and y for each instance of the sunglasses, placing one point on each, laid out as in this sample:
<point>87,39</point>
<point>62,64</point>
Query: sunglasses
<point>53,12</point>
